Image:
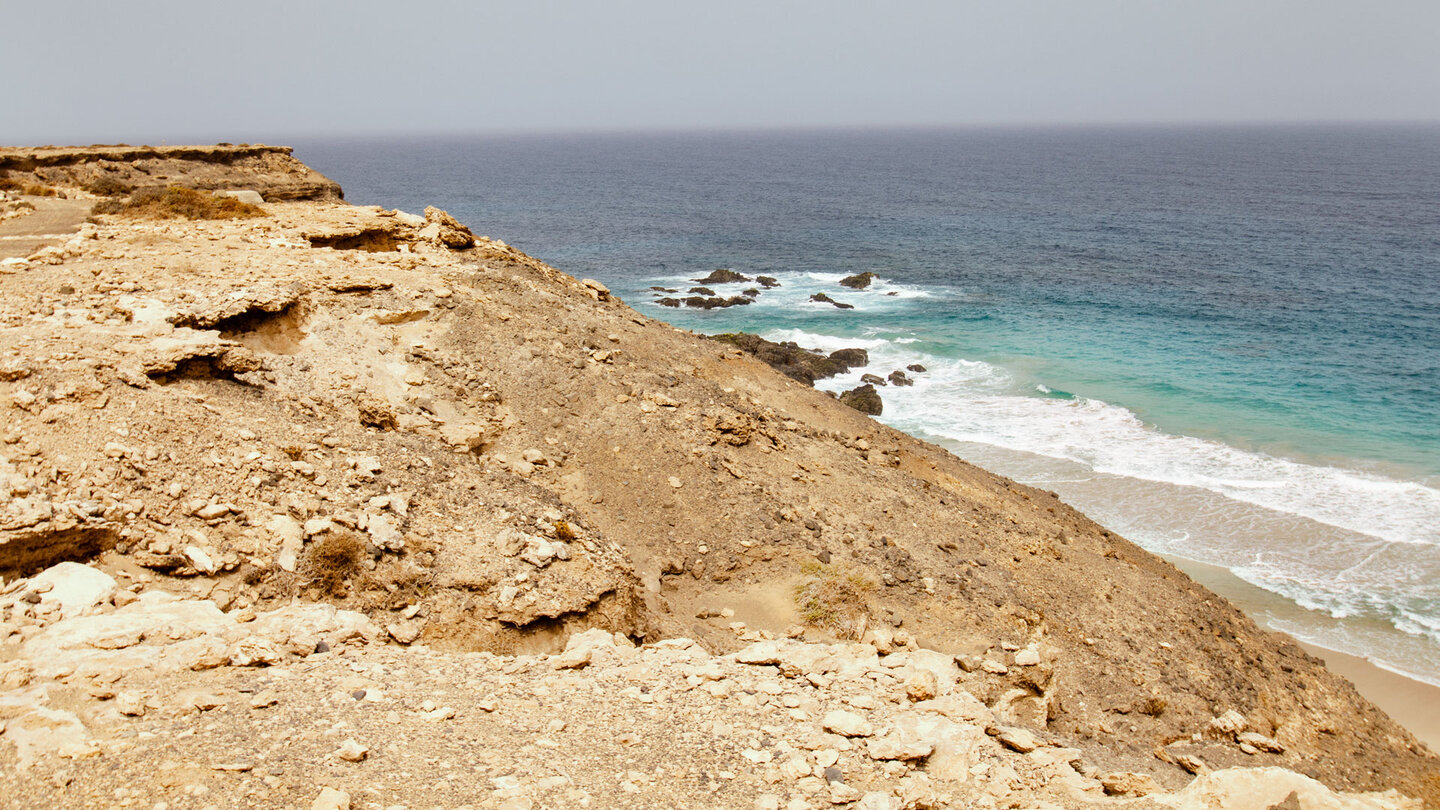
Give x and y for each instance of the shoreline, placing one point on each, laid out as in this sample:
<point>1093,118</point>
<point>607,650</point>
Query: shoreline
<point>1412,703</point>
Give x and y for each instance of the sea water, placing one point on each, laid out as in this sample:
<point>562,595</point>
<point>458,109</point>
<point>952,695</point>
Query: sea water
<point>1223,343</point>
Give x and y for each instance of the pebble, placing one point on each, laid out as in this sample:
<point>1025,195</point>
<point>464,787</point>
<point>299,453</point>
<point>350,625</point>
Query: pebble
<point>847,724</point>
<point>331,799</point>
<point>352,751</point>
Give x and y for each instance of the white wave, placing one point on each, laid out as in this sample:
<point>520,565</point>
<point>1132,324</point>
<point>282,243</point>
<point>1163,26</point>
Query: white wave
<point>979,402</point>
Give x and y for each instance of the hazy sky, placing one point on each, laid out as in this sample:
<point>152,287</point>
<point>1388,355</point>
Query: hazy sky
<point>258,71</point>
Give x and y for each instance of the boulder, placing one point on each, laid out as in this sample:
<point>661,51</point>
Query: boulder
<point>864,399</point>
<point>859,281</point>
<point>77,589</point>
<point>822,298</point>
<point>723,276</point>
<point>446,229</point>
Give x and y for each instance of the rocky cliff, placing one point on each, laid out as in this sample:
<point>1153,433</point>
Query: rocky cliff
<point>270,170</point>
<point>474,457</point>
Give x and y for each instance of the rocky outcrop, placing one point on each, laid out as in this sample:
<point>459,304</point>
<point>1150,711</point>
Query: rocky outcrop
<point>794,362</point>
<point>864,399</point>
<point>822,298</point>
<point>723,276</point>
<point>859,281</point>
<point>270,170</point>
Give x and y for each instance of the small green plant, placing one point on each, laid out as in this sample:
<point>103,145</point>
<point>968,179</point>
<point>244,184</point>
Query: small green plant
<point>178,202</point>
<point>834,598</point>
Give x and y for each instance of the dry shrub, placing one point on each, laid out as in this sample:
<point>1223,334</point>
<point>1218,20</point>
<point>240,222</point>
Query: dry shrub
<point>37,190</point>
<point>834,598</point>
<point>179,202</point>
<point>333,560</point>
<point>563,531</point>
<point>1153,706</point>
<point>107,186</point>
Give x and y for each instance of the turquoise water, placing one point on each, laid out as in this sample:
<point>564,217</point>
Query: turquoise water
<point>1224,343</point>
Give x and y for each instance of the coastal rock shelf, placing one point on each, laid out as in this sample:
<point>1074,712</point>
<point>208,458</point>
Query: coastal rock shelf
<point>351,501</point>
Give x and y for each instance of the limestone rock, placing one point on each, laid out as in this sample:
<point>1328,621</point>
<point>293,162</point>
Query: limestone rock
<point>847,724</point>
<point>447,230</point>
<point>1014,738</point>
<point>331,799</point>
<point>76,589</point>
<point>1124,783</point>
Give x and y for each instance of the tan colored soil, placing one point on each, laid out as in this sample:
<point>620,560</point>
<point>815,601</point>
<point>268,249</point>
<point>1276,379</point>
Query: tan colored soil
<point>210,408</point>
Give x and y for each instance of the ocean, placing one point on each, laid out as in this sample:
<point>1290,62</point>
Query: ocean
<point>1223,343</point>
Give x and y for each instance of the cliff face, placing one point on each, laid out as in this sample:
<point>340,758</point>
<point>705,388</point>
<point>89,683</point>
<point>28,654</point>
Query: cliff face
<point>376,410</point>
<point>270,170</point>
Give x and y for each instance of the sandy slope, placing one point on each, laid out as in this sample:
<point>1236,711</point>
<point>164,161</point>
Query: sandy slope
<point>482,453</point>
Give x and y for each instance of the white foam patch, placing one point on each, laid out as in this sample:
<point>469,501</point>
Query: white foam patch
<point>978,402</point>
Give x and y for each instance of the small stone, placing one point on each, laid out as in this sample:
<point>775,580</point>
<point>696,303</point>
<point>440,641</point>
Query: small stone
<point>213,511</point>
<point>1016,739</point>
<point>1260,742</point>
<point>994,667</point>
<point>894,748</point>
<point>406,632</point>
<point>442,713</point>
<point>331,799</point>
<point>1124,783</point>
<point>1228,724</point>
<point>847,724</point>
<point>572,658</point>
<point>675,482</point>
<point>352,751</point>
<point>130,704</point>
<point>201,560</point>
<point>1027,658</point>
<point>923,685</point>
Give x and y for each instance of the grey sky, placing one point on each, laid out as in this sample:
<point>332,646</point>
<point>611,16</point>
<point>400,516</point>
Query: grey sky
<point>261,70</point>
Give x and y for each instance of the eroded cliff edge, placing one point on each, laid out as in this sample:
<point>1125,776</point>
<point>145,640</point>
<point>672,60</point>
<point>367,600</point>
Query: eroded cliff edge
<point>379,411</point>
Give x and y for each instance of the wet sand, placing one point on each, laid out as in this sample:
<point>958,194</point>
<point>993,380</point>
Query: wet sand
<point>1411,703</point>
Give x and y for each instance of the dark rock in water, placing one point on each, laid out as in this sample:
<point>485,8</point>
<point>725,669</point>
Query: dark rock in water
<point>715,302</point>
<point>793,361</point>
<point>915,367</point>
<point>898,377</point>
<point>872,379</point>
<point>892,294</point>
<point>702,291</point>
<point>669,302</point>
<point>663,289</point>
<point>767,281</point>
<point>825,299</point>
<point>723,276</point>
<point>863,399</point>
<point>750,293</point>
<point>859,281</point>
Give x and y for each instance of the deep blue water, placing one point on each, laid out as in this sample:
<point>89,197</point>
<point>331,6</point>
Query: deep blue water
<point>1224,342</point>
